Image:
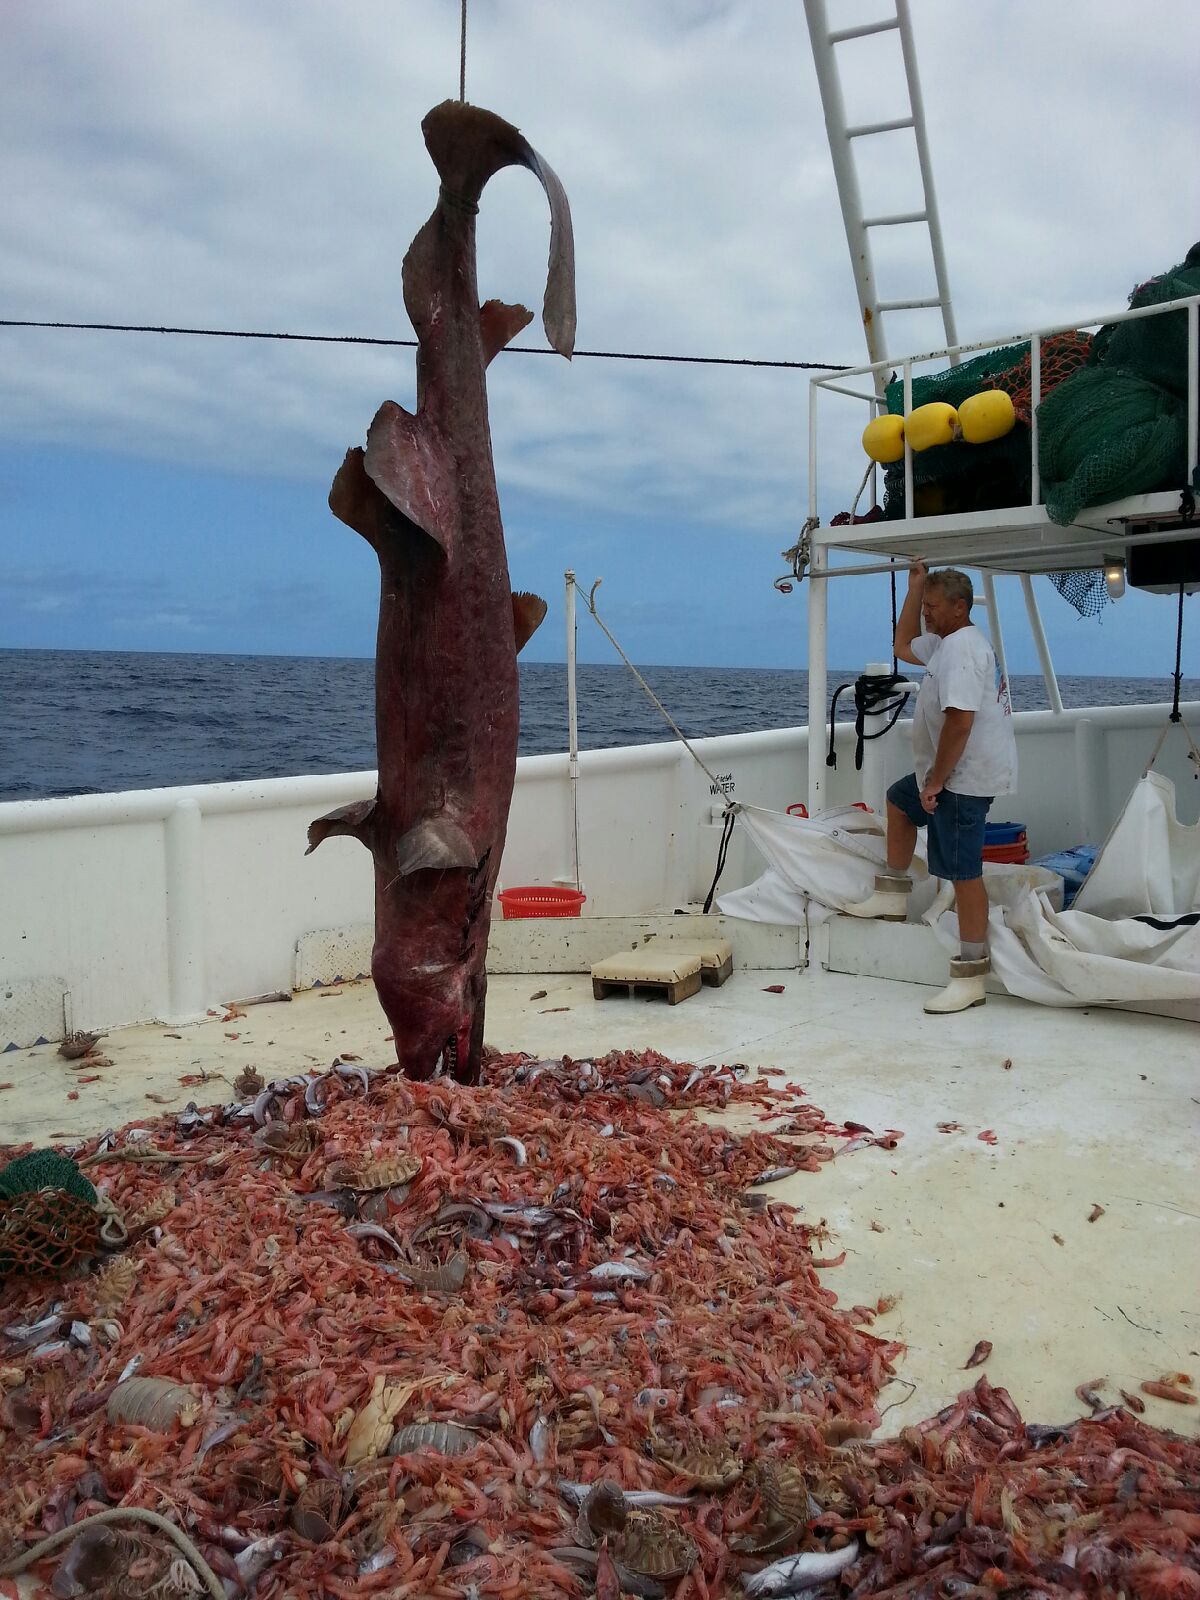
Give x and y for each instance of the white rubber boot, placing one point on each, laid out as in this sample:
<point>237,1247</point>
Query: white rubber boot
<point>964,990</point>
<point>889,902</point>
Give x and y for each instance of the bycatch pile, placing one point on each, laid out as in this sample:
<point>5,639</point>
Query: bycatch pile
<point>547,1337</point>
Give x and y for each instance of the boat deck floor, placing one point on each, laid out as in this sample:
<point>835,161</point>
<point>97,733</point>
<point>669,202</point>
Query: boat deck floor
<point>972,1240</point>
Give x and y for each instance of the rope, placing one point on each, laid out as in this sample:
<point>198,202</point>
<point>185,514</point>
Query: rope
<point>870,695</point>
<point>462,55</point>
<point>346,338</point>
<point>1175,716</point>
<point>46,1547</point>
<point>722,852</point>
<point>590,602</point>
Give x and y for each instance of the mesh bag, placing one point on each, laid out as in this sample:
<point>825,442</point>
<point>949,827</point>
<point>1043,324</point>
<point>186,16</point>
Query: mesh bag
<point>1154,347</point>
<point>1106,433</point>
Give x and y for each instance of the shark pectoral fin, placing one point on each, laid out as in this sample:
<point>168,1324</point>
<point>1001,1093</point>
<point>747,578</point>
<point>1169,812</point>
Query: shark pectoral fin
<point>437,843</point>
<point>407,462</point>
<point>354,819</point>
<point>356,501</point>
<point>529,612</point>
<point>500,323</point>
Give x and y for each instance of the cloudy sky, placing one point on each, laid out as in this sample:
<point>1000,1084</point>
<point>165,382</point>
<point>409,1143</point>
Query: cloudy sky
<point>258,164</point>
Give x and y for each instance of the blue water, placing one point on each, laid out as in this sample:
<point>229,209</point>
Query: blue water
<point>88,722</point>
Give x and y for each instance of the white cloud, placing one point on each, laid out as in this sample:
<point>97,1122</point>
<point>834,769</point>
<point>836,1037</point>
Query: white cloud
<point>244,164</point>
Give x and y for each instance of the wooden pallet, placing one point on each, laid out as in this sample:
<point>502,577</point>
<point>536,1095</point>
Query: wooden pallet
<point>668,970</point>
<point>672,990</point>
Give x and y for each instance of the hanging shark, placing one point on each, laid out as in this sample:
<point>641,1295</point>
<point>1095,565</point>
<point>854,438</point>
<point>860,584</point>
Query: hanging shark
<point>423,494</point>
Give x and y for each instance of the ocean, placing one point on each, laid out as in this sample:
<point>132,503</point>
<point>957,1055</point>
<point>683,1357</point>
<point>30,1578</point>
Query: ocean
<point>94,722</point>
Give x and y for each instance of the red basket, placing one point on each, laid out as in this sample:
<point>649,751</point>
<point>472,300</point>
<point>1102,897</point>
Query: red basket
<point>1009,854</point>
<point>533,900</point>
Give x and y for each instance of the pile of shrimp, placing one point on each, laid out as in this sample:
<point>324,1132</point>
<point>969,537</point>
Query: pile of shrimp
<point>571,1276</point>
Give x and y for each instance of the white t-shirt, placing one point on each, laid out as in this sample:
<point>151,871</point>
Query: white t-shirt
<point>961,674</point>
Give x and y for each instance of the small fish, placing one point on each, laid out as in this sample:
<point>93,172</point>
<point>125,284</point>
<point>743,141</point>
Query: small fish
<point>81,1335</point>
<point>30,1333</point>
<point>257,1557</point>
<point>772,1175</point>
<point>606,1271</point>
<point>372,1230</point>
<point>518,1149</point>
<point>540,1441</point>
<point>350,1073</point>
<point>314,1099</point>
<point>376,1563</point>
<point>656,1399</point>
<point>130,1367</point>
<point>805,1571</point>
<point>577,1493</point>
<point>50,1351</point>
<point>225,1430</point>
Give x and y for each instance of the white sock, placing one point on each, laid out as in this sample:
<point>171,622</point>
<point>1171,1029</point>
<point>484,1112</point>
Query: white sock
<point>973,952</point>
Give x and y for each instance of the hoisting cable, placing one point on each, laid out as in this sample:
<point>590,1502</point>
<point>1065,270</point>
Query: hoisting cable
<point>589,601</point>
<point>462,55</point>
<point>731,808</point>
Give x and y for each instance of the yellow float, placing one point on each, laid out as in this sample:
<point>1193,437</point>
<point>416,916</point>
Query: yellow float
<point>883,439</point>
<point>931,425</point>
<point>986,416</point>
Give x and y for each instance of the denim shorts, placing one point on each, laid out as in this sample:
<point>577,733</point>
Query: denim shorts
<point>955,828</point>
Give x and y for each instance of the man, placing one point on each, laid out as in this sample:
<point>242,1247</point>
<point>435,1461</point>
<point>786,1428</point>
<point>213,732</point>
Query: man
<point>965,754</point>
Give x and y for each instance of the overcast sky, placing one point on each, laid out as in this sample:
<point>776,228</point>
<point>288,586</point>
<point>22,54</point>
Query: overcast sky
<point>258,164</point>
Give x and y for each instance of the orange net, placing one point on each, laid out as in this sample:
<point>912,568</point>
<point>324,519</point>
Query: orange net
<point>1062,354</point>
<point>45,1231</point>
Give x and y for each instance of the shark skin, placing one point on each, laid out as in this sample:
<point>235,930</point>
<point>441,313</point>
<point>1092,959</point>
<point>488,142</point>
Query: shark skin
<point>423,495</point>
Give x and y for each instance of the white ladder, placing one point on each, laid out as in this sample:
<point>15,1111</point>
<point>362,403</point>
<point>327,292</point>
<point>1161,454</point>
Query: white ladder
<point>841,146</point>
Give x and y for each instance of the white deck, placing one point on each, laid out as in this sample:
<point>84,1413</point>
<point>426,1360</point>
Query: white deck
<point>1096,1108</point>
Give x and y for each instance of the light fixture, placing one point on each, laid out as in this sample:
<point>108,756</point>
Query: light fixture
<point>1114,579</point>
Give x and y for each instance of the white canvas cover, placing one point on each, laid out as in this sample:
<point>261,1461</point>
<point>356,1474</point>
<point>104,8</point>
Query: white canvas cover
<point>1150,863</point>
<point>1102,951</point>
<point>815,865</point>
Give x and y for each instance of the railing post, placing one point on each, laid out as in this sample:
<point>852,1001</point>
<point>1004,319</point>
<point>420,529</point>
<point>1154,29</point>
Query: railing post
<point>818,672</point>
<point>1035,400</point>
<point>1039,639</point>
<point>572,721</point>
<point>1091,781</point>
<point>184,848</point>
<point>993,611</point>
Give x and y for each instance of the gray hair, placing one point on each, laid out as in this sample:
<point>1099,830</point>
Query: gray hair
<point>954,585</point>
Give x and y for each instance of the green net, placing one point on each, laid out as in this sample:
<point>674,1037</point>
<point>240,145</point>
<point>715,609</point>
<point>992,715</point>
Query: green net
<point>1154,347</point>
<point>1106,433</point>
<point>979,477</point>
<point>44,1169</point>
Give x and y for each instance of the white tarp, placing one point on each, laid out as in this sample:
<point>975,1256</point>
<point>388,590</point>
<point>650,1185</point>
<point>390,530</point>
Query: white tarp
<point>815,865</point>
<point>1150,863</point>
<point>1098,953</point>
<point>1102,952</point>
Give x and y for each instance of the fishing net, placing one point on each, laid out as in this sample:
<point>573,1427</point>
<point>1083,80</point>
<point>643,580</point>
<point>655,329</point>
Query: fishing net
<point>980,477</point>
<point>47,1231</point>
<point>1106,433</point>
<point>1154,347</point>
<point>48,1216</point>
